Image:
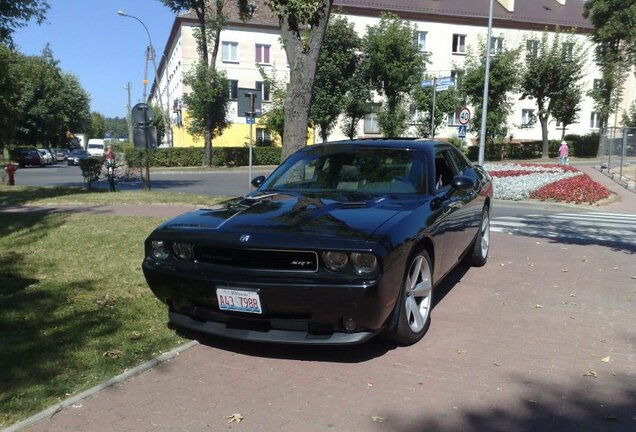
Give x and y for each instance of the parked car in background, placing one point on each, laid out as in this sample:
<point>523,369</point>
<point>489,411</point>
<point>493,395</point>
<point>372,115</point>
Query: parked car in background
<point>342,242</point>
<point>61,154</point>
<point>27,156</point>
<point>48,157</point>
<point>76,156</point>
<point>95,147</point>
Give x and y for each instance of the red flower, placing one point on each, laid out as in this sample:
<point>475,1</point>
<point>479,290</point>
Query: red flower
<point>579,189</point>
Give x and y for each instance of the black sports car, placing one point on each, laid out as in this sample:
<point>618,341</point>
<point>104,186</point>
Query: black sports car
<point>341,242</point>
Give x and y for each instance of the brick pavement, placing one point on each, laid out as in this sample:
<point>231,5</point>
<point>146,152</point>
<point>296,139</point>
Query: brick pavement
<point>508,350</point>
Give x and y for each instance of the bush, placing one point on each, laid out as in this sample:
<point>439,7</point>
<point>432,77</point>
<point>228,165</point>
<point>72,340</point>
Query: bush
<point>193,156</point>
<point>586,146</point>
<point>91,170</point>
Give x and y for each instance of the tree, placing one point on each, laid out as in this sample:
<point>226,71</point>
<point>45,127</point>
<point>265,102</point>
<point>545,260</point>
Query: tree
<point>303,25</point>
<point>336,65</point>
<point>629,118</point>
<point>567,107</point>
<point>207,102</point>
<point>445,101</point>
<point>553,74</point>
<point>273,116</point>
<point>395,66</point>
<point>356,102</point>
<point>615,36</point>
<point>16,14</point>
<point>97,128</point>
<point>207,117</point>
<point>503,80</point>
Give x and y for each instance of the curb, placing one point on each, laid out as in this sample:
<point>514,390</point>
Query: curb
<point>52,410</point>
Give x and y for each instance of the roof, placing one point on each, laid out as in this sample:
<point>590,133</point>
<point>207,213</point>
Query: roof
<point>528,14</point>
<point>262,16</point>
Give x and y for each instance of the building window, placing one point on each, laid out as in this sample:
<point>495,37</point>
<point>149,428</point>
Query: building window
<point>230,52</point>
<point>597,84</point>
<point>496,45</point>
<point>421,41</point>
<point>559,124</point>
<point>371,125</point>
<point>233,89</point>
<point>595,120</point>
<point>453,118</point>
<point>599,53</point>
<point>459,44</point>
<point>532,48</point>
<point>263,137</point>
<point>262,54</point>
<point>263,89</point>
<point>567,51</point>
<point>527,118</point>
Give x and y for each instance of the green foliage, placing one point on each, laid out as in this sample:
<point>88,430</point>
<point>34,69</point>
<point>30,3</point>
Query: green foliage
<point>503,81</point>
<point>356,102</point>
<point>91,170</point>
<point>273,117</point>
<point>394,65</point>
<point>551,78</point>
<point>584,146</point>
<point>17,14</point>
<point>445,102</point>
<point>116,126</point>
<point>615,36</point>
<point>208,101</point>
<point>193,156</point>
<point>336,66</point>
<point>629,117</point>
<point>97,128</point>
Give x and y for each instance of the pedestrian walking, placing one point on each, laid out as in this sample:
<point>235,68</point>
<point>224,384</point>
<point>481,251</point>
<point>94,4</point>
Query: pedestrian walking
<point>564,153</point>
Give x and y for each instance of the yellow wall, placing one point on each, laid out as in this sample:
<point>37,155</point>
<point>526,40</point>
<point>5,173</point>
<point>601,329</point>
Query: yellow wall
<point>236,135</point>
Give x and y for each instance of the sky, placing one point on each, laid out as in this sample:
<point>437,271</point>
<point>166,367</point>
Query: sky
<point>104,50</point>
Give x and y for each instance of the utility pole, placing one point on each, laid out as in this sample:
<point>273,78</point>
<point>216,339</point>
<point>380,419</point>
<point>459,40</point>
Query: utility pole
<point>128,114</point>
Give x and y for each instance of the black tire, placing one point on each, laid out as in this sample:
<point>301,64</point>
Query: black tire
<point>416,301</point>
<point>478,255</point>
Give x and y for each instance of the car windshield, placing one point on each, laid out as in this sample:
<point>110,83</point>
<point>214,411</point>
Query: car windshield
<point>347,169</point>
<point>96,146</point>
<point>79,153</point>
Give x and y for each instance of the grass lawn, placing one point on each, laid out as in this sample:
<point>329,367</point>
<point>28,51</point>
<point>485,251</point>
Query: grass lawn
<point>74,306</point>
<point>21,195</point>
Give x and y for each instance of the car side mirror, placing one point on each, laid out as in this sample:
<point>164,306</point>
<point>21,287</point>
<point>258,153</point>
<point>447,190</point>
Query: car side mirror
<point>462,183</point>
<point>258,181</point>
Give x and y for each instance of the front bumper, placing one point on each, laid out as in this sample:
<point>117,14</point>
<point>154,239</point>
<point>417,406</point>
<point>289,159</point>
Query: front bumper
<point>297,309</point>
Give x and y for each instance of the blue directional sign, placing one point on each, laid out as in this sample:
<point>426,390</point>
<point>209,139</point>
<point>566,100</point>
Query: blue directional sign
<point>461,131</point>
<point>446,81</point>
<point>427,83</point>
<point>250,120</point>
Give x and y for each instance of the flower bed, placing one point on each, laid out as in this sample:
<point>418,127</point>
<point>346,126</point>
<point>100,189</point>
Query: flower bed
<point>545,182</point>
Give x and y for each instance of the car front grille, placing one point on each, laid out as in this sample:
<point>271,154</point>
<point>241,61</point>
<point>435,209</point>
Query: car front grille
<point>258,259</point>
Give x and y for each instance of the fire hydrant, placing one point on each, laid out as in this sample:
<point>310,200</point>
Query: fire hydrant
<point>10,169</point>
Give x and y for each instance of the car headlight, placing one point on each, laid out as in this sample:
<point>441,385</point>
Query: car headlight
<point>182,250</point>
<point>159,250</point>
<point>335,261</point>
<point>364,263</point>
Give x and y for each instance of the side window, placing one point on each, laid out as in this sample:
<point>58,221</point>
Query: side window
<point>444,170</point>
<point>458,160</point>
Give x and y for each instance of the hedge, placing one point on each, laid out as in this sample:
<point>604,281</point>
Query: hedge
<point>580,146</point>
<point>193,156</point>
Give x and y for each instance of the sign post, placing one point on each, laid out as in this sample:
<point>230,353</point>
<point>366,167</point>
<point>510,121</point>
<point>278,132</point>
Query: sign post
<point>144,136</point>
<point>249,105</point>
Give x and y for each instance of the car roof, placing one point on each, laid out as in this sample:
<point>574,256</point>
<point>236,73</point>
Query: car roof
<point>377,143</point>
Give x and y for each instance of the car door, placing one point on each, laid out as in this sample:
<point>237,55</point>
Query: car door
<point>454,214</point>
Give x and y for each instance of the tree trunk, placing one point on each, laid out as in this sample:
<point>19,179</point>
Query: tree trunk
<point>543,119</point>
<point>303,58</point>
<point>324,135</point>
<point>207,143</point>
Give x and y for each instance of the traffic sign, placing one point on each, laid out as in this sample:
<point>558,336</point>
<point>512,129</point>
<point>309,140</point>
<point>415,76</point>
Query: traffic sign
<point>249,120</point>
<point>464,116</point>
<point>442,87</point>
<point>427,83</point>
<point>446,81</point>
<point>461,131</point>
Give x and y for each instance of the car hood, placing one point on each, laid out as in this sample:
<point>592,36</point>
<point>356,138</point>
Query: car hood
<point>349,216</point>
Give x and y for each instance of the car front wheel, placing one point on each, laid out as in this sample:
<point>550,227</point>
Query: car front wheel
<point>416,301</point>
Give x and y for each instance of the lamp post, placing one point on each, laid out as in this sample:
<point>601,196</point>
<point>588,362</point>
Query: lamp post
<point>151,55</point>
<point>484,109</point>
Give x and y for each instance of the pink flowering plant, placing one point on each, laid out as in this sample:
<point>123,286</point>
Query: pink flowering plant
<point>561,183</point>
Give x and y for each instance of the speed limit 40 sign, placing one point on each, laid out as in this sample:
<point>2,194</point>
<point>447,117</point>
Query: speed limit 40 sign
<point>464,116</point>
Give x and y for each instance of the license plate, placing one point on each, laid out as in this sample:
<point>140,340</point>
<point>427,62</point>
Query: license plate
<point>239,300</point>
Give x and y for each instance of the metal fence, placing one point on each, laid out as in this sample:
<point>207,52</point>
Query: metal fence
<point>618,155</point>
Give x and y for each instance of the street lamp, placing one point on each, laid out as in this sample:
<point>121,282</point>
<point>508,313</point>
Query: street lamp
<point>484,108</point>
<point>151,54</point>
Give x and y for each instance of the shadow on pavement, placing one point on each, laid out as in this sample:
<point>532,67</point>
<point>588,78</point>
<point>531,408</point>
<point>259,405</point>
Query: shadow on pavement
<point>19,196</point>
<point>542,406</point>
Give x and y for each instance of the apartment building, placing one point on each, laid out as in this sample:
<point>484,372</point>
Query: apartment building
<point>446,31</point>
